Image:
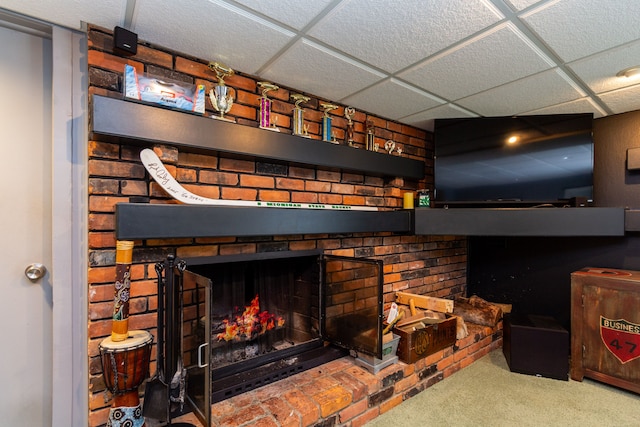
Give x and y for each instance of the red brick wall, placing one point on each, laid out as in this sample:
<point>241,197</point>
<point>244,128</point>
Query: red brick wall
<point>421,264</point>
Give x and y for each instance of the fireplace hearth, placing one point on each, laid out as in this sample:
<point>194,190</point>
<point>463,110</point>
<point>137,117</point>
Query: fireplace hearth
<point>250,320</point>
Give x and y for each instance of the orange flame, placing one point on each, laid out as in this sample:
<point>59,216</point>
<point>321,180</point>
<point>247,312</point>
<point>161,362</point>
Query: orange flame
<point>250,323</point>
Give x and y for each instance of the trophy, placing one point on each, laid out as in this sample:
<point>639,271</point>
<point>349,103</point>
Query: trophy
<point>349,112</point>
<point>220,97</point>
<point>299,128</point>
<point>371,145</point>
<point>265,107</point>
<point>326,123</point>
<point>390,146</point>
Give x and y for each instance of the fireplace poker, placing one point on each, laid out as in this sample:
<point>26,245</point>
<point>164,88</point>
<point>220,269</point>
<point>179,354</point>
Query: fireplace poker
<point>156,389</point>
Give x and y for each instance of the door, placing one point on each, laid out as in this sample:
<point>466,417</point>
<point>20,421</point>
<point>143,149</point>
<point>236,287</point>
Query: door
<point>26,221</point>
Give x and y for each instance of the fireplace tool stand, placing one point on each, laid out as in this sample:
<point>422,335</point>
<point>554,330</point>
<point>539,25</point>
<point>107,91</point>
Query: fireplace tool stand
<point>167,388</point>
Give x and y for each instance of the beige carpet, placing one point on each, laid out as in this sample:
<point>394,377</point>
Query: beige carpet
<point>488,394</point>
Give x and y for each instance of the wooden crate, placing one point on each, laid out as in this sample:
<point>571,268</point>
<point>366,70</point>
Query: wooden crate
<point>417,341</point>
<point>605,326</point>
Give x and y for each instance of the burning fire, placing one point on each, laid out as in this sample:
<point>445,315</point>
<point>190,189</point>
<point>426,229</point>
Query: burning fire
<point>250,323</point>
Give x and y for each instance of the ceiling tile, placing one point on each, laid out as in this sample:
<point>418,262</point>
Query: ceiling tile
<point>211,30</point>
<point>623,100</point>
<point>582,105</point>
<point>520,4</point>
<point>392,99</point>
<point>397,33</point>
<point>577,28</point>
<point>496,57</point>
<point>489,54</point>
<point>547,88</point>
<point>311,68</point>
<point>288,12</point>
<point>71,13</point>
<point>424,119</point>
<point>599,71</point>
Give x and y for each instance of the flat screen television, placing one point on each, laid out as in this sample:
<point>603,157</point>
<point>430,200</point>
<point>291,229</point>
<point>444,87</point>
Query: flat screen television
<point>520,160</point>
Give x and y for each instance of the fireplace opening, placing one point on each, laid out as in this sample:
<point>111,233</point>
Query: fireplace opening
<point>260,307</point>
<point>250,320</point>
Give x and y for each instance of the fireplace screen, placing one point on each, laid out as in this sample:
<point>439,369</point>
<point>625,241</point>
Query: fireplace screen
<point>248,321</point>
<point>353,303</point>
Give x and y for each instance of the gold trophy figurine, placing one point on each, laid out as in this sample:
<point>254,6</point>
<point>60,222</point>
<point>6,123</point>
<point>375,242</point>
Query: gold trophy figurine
<point>349,112</point>
<point>299,128</point>
<point>221,99</point>
<point>390,146</point>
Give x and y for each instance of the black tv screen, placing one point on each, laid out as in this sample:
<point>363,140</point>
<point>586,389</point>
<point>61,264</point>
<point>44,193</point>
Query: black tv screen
<point>528,159</point>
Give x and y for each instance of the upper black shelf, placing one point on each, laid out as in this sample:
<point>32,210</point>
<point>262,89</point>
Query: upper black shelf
<point>137,122</point>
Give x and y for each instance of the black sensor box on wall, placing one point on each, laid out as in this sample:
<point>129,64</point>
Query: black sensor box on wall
<point>125,41</point>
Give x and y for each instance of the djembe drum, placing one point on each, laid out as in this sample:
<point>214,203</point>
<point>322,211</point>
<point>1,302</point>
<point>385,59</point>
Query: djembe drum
<point>125,366</point>
<point>125,354</point>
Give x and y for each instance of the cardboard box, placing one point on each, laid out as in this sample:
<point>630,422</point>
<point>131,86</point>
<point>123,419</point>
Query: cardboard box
<point>167,92</point>
<point>425,337</point>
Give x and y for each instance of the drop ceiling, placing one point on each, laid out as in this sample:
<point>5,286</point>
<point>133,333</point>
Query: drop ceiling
<point>406,60</point>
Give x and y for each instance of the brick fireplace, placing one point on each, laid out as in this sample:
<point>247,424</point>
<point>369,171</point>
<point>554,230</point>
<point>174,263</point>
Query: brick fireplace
<point>334,393</point>
<point>258,318</point>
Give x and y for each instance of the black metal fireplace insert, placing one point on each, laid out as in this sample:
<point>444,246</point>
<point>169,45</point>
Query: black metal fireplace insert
<point>249,320</point>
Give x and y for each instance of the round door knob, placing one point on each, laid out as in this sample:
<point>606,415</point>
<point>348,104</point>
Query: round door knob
<point>35,271</point>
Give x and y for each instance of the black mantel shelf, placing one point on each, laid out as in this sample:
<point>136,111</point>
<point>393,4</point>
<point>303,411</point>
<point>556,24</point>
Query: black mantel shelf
<point>167,221</point>
<point>142,123</point>
<point>589,221</point>
<point>117,119</point>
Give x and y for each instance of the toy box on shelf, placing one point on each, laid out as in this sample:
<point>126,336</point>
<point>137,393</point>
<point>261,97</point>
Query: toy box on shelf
<point>163,91</point>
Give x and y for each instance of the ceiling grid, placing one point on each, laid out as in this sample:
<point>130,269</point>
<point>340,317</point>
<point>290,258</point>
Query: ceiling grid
<point>408,60</point>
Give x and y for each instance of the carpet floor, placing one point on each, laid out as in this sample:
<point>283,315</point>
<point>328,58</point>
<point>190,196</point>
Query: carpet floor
<point>488,394</point>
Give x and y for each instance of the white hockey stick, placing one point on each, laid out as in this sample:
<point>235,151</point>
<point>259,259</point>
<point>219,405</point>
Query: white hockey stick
<point>161,175</point>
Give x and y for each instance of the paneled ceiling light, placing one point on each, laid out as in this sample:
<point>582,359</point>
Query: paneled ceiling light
<point>631,72</point>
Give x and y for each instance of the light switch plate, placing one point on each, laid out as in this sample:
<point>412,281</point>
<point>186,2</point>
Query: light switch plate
<point>633,159</point>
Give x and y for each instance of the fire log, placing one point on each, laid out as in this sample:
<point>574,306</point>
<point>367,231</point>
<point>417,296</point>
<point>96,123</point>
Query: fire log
<point>461,328</point>
<point>478,311</point>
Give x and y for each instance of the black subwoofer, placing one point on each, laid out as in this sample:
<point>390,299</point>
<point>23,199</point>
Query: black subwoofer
<point>536,345</point>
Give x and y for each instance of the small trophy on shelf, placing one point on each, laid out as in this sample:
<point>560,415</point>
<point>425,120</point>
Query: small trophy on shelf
<point>349,112</point>
<point>221,99</point>
<point>265,107</point>
<point>299,128</point>
<point>371,144</point>
<point>327,135</point>
<point>390,146</point>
